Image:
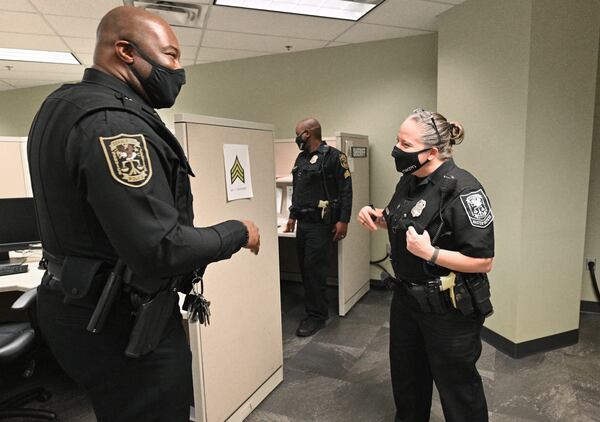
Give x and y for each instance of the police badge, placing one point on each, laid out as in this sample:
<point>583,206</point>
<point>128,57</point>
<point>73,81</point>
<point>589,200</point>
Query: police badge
<point>417,210</point>
<point>478,209</point>
<point>128,159</point>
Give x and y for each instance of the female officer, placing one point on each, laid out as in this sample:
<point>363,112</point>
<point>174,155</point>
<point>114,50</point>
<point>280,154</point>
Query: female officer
<point>441,233</point>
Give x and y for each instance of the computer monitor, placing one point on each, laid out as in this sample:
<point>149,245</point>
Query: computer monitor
<point>18,225</point>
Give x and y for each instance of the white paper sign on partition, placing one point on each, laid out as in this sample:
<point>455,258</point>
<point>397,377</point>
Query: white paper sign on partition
<point>238,177</point>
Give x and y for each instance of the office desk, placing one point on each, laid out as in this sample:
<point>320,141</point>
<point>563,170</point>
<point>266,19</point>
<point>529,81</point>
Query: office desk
<point>23,281</point>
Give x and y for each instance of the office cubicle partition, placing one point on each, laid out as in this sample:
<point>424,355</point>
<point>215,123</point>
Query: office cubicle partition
<point>237,358</point>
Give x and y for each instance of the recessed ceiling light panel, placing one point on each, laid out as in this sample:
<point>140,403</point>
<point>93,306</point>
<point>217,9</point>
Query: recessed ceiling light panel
<point>19,55</point>
<point>337,9</point>
<point>176,13</point>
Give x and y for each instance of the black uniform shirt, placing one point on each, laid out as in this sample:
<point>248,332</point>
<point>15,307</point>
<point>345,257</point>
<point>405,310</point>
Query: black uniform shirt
<point>116,183</point>
<point>317,174</point>
<point>468,220</point>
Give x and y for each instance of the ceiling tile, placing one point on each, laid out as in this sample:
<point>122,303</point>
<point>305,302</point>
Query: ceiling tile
<point>188,53</point>
<point>414,14</point>
<point>25,23</point>
<point>68,26</point>
<point>17,6</point>
<point>253,42</point>
<point>81,45</point>
<point>268,23</point>
<point>86,59</point>
<point>186,62</point>
<point>26,83</point>
<point>80,8</point>
<point>5,87</point>
<point>18,67</point>
<point>54,77</point>
<point>222,54</point>
<point>188,36</point>
<point>336,44</point>
<point>364,32</point>
<point>32,42</point>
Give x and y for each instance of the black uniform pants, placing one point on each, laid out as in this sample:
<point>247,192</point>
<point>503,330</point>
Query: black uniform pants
<point>427,347</point>
<point>314,245</point>
<point>154,387</point>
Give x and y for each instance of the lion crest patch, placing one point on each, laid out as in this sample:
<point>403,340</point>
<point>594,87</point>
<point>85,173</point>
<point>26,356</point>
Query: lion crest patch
<point>128,159</point>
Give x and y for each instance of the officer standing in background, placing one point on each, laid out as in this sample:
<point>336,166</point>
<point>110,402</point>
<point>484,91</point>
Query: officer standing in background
<point>322,204</point>
<point>112,193</point>
<point>441,232</point>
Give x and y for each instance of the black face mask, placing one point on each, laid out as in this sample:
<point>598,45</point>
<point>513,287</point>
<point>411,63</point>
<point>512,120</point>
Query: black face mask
<point>301,142</point>
<point>407,162</point>
<point>162,85</point>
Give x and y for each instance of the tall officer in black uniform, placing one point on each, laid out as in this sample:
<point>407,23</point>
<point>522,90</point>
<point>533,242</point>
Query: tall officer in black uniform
<point>322,204</point>
<point>111,184</point>
<point>441,232</point>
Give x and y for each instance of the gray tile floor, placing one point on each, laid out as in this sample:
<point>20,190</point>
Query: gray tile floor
<point>342,374</point>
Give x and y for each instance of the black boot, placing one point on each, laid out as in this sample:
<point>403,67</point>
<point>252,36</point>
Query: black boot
<point>309,326</point>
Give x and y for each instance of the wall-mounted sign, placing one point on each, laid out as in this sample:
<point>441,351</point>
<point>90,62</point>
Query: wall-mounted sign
<point>238,178</point>
<point>358,152</point>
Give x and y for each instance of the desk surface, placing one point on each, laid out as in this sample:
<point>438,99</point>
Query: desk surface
<point>23,281</point>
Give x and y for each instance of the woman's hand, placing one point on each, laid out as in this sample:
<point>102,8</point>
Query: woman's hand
<point>370,218</point>
<point>419,244</point>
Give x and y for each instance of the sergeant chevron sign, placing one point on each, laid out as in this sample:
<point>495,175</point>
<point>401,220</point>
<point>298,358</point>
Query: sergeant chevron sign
<point>238,177</point>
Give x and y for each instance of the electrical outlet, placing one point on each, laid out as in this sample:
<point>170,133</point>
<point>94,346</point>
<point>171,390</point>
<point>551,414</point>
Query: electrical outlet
<point>588,260</point>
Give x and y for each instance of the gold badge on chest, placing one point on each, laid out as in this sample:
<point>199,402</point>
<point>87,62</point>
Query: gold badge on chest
<point>417,210</point>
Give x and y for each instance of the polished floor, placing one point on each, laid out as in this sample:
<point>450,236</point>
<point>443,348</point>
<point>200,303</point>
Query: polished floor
<point>342,374</point>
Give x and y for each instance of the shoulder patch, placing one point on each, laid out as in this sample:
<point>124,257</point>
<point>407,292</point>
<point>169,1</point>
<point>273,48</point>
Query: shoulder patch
<point>128,159</point>
<point>344,161</point>
<point>477,207</point>
<point>346,174</point>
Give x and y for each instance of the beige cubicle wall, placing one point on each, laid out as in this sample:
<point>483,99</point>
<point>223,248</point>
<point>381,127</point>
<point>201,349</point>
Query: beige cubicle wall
<point>352,272</point>
<point>237,358</point>
<point>14,171</point>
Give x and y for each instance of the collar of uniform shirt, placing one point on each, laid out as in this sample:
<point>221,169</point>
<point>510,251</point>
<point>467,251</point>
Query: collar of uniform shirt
<point>320,148</point>
<point>96,76</point>
<point>437,175</point>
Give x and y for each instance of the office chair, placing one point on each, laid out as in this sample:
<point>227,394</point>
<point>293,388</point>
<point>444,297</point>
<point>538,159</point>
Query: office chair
<point>17,339</point>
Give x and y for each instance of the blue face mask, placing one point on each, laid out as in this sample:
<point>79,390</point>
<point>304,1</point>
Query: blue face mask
<point>407,162</point>
<point>162,86</point>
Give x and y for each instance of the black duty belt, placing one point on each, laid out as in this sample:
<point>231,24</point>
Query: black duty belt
<point>55,270</point>
<point>427,294</point>
<point>51,282</point>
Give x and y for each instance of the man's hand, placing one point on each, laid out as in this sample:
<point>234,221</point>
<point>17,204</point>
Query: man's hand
<point>339,231</point>
<point>290,226</point>
<point>419,244</point>
<point>253,237</point>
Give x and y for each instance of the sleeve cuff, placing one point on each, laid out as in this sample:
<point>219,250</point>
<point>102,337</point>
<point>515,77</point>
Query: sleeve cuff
<point>233,236</point>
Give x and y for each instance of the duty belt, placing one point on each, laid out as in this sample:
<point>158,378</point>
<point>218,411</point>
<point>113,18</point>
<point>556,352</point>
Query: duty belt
<point>55,270</point>
<point>427,294</point>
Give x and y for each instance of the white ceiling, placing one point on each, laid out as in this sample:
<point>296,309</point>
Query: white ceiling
<point>226,33</point>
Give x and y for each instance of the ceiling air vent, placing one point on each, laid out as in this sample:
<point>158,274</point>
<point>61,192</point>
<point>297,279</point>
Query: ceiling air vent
<point>174,12</point>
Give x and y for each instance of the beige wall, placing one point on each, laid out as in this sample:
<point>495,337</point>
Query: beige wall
<point>365,88</point>
<point>18,107</point>
<point>592,233</point>
<point>503,66</point>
